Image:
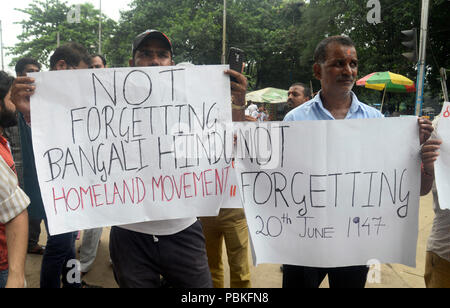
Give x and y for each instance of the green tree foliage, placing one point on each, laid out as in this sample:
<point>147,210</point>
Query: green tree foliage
<point>278,36</point>
<point>439,43</point>
<point>379,45</point>
<point>265,29</point>
<point>46,18</point>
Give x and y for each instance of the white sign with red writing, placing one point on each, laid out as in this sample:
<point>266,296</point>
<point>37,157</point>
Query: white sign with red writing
<point>442,165</point>
<point>122,146</point>
<point>331,193</point>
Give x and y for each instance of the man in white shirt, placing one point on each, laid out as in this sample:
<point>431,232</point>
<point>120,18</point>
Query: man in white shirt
<point>175,248</point>
<point>251,109</point>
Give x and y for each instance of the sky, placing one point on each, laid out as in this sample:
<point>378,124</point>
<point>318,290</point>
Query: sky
<point>9,16</point>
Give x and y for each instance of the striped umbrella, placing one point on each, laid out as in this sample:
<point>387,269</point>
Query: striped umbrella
<point>387,82</point>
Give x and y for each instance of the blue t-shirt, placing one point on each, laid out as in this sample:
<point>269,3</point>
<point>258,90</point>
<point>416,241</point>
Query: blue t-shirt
<point>314,110</point>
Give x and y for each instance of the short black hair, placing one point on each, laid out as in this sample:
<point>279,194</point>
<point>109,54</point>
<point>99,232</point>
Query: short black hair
<point>306,89</point>
<point>320,54</point>
<point>22,63</point>
<point>6,82</point>
<point>71,53</point>
<point>101,57</point>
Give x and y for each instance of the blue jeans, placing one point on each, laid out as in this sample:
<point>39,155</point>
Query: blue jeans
<point>3,278</point>
<point>60,249</point>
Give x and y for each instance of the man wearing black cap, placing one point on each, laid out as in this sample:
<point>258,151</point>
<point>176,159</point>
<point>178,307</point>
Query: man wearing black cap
<point>174,248</point>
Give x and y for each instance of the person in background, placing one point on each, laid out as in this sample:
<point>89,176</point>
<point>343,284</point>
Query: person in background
<point>260,115</point>
<point>229,227</point>
<point>98,61</point>
<point>91,238</point>
<point>251,109</point>
<point>298,94</point>
<point>23,67</point>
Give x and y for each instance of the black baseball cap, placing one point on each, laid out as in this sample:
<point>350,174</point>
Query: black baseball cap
<point>151,34</point>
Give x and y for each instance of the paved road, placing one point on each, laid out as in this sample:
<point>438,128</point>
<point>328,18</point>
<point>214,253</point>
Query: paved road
<point>269,275</point>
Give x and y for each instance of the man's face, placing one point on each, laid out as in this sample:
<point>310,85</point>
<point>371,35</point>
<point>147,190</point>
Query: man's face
<point>338,73</point>
<point>152,52</point>
<point>296,96</point>
<point>81,66</point>
<point>7,112</point>
<point>97,62</point>
<point>30,68</point>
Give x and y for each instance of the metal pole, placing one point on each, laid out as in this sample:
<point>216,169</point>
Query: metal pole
<point>444,83</point>
<point>224,38</point>
<point>422,55</point>
<point>100,30</point>
<point>1,45</point>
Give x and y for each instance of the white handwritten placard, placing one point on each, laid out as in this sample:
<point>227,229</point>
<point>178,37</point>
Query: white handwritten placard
<point>442,165</point>
<point>121,146</point>
<point>331,193</point>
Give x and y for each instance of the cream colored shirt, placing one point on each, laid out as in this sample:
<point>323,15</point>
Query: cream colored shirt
<point>439,240</point>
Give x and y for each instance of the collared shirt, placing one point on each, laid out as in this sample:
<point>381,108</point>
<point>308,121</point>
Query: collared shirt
<point>439,240</point>
<point>13,200</point>
<point>13,136</point>
<point>314,110</point>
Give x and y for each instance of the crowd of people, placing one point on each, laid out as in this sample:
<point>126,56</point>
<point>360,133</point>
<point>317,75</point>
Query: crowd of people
<point>186,253</point>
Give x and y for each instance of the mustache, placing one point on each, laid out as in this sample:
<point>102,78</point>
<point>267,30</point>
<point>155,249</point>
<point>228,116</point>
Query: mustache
<point>345,79</point>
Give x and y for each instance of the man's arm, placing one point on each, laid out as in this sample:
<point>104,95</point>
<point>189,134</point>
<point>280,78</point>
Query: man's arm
<point>17,242</point>
<point>429,155</point>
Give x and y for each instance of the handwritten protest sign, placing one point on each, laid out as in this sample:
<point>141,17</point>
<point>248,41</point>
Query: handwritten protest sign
<point>121,146</point>
<point>331,193</point>
<point>442,165</point>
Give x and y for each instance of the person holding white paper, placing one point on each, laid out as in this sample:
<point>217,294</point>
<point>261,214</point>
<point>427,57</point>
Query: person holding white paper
<point>173,248</point>
<point>336,66</point>
<point>437,266</point>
